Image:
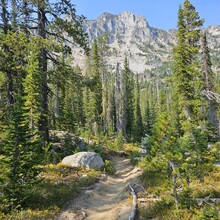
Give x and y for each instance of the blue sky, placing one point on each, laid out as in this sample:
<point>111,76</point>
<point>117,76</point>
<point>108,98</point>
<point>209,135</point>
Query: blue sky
<point>159,13</point>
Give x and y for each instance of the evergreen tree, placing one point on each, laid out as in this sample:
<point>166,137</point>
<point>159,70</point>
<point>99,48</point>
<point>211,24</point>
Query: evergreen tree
<point>138,126</point>
<point>96,90</point>
<point>31,84</point>
<point>148,119</point>
<point>19,158</point>
<point>73,117</point>
<point>68,117</point>
<point>111,111</point>
<point>20,146</point>
<point>180,139</point>
<point>187,77</point>
<point>192,126</point>
<point>79,110</point>
<point>30,55</point>
<point>148,102</point>
<point>54,20</point>
<point>105,79</point>
<point>129,88</point>
<point>165,149</point>
<point>5,26</point>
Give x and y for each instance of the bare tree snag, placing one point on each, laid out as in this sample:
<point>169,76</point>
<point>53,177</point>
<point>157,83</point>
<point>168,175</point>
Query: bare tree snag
<point>174,177</point>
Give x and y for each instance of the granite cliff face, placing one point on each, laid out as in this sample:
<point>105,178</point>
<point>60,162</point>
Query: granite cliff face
<point>146,47</point>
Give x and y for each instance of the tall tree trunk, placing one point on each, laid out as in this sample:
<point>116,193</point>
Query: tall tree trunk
<point>104,101</point>
<point>43,64</point>
<point>4,16</point>
<point>120,102</point>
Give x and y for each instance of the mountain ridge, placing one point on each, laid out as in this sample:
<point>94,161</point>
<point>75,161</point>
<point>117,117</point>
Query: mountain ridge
<point>147,47</point>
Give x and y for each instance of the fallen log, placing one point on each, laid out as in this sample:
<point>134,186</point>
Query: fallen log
<point>134,211</point>
<point>206,199</point>
<point>149,199</point>
<point>195,199</point>
<point>140,188</point>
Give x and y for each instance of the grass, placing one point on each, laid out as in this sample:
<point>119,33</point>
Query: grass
<point>58,186</point>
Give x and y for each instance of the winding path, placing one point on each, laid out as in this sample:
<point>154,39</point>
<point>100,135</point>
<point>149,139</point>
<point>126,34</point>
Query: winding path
<point>107,199</point>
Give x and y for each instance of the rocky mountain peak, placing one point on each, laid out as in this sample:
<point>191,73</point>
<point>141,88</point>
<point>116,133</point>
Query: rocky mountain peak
<point>146,47</point>
<point>119,26</point>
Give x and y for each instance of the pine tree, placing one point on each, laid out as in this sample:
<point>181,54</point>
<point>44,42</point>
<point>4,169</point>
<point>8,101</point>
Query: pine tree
<point>129,88</point>
<point>148,102</point>
<point>31,84</point>
<point>187,77</point>
<point>148,119</point>
<point>182,77</point>
<point>86,93</point>
<point>164,147</point>
<point>72,116</point>
<point>69,117</point>
<point>193,25</point>
<point>80,113</point>
<point>41,30</point>
<point>5,25</point>
<point>180,135</point>
<point>138,126</point>
<point>192,126</point>
<point>96,90</point>
<point>19,158</point>
<point>105,78</point>
<point>25,51</point>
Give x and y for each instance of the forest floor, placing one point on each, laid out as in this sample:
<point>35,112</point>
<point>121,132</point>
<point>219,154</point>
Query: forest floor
<point>108,199</point>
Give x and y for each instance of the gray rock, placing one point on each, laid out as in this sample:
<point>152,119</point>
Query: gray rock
<point>138,158</point>
<point>82,145</point>
<point>142,151</point>
<point>84,159</point>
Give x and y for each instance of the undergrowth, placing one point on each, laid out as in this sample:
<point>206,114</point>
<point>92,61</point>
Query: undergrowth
<point>160,185</point>
<point>59,185</point>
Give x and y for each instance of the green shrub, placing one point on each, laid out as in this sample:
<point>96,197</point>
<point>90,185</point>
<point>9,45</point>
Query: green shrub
<point>156,210</point>
<point>109,167</point>
<point>119,141</point>
<point>209,213</point>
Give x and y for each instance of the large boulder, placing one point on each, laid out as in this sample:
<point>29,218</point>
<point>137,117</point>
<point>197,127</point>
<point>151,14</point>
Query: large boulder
<point>84,159</point>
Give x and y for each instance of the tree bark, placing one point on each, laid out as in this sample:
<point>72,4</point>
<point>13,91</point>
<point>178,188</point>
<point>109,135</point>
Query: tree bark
<point>4,18</point>
<point>174,178</point>
<point>120,102</point>
<point>43,64</point>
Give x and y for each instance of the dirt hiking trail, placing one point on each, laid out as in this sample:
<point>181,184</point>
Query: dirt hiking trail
<point>107,199</point>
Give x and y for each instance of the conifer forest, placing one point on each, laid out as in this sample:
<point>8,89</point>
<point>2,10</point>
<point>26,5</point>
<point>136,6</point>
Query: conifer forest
<point>166,124</point>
